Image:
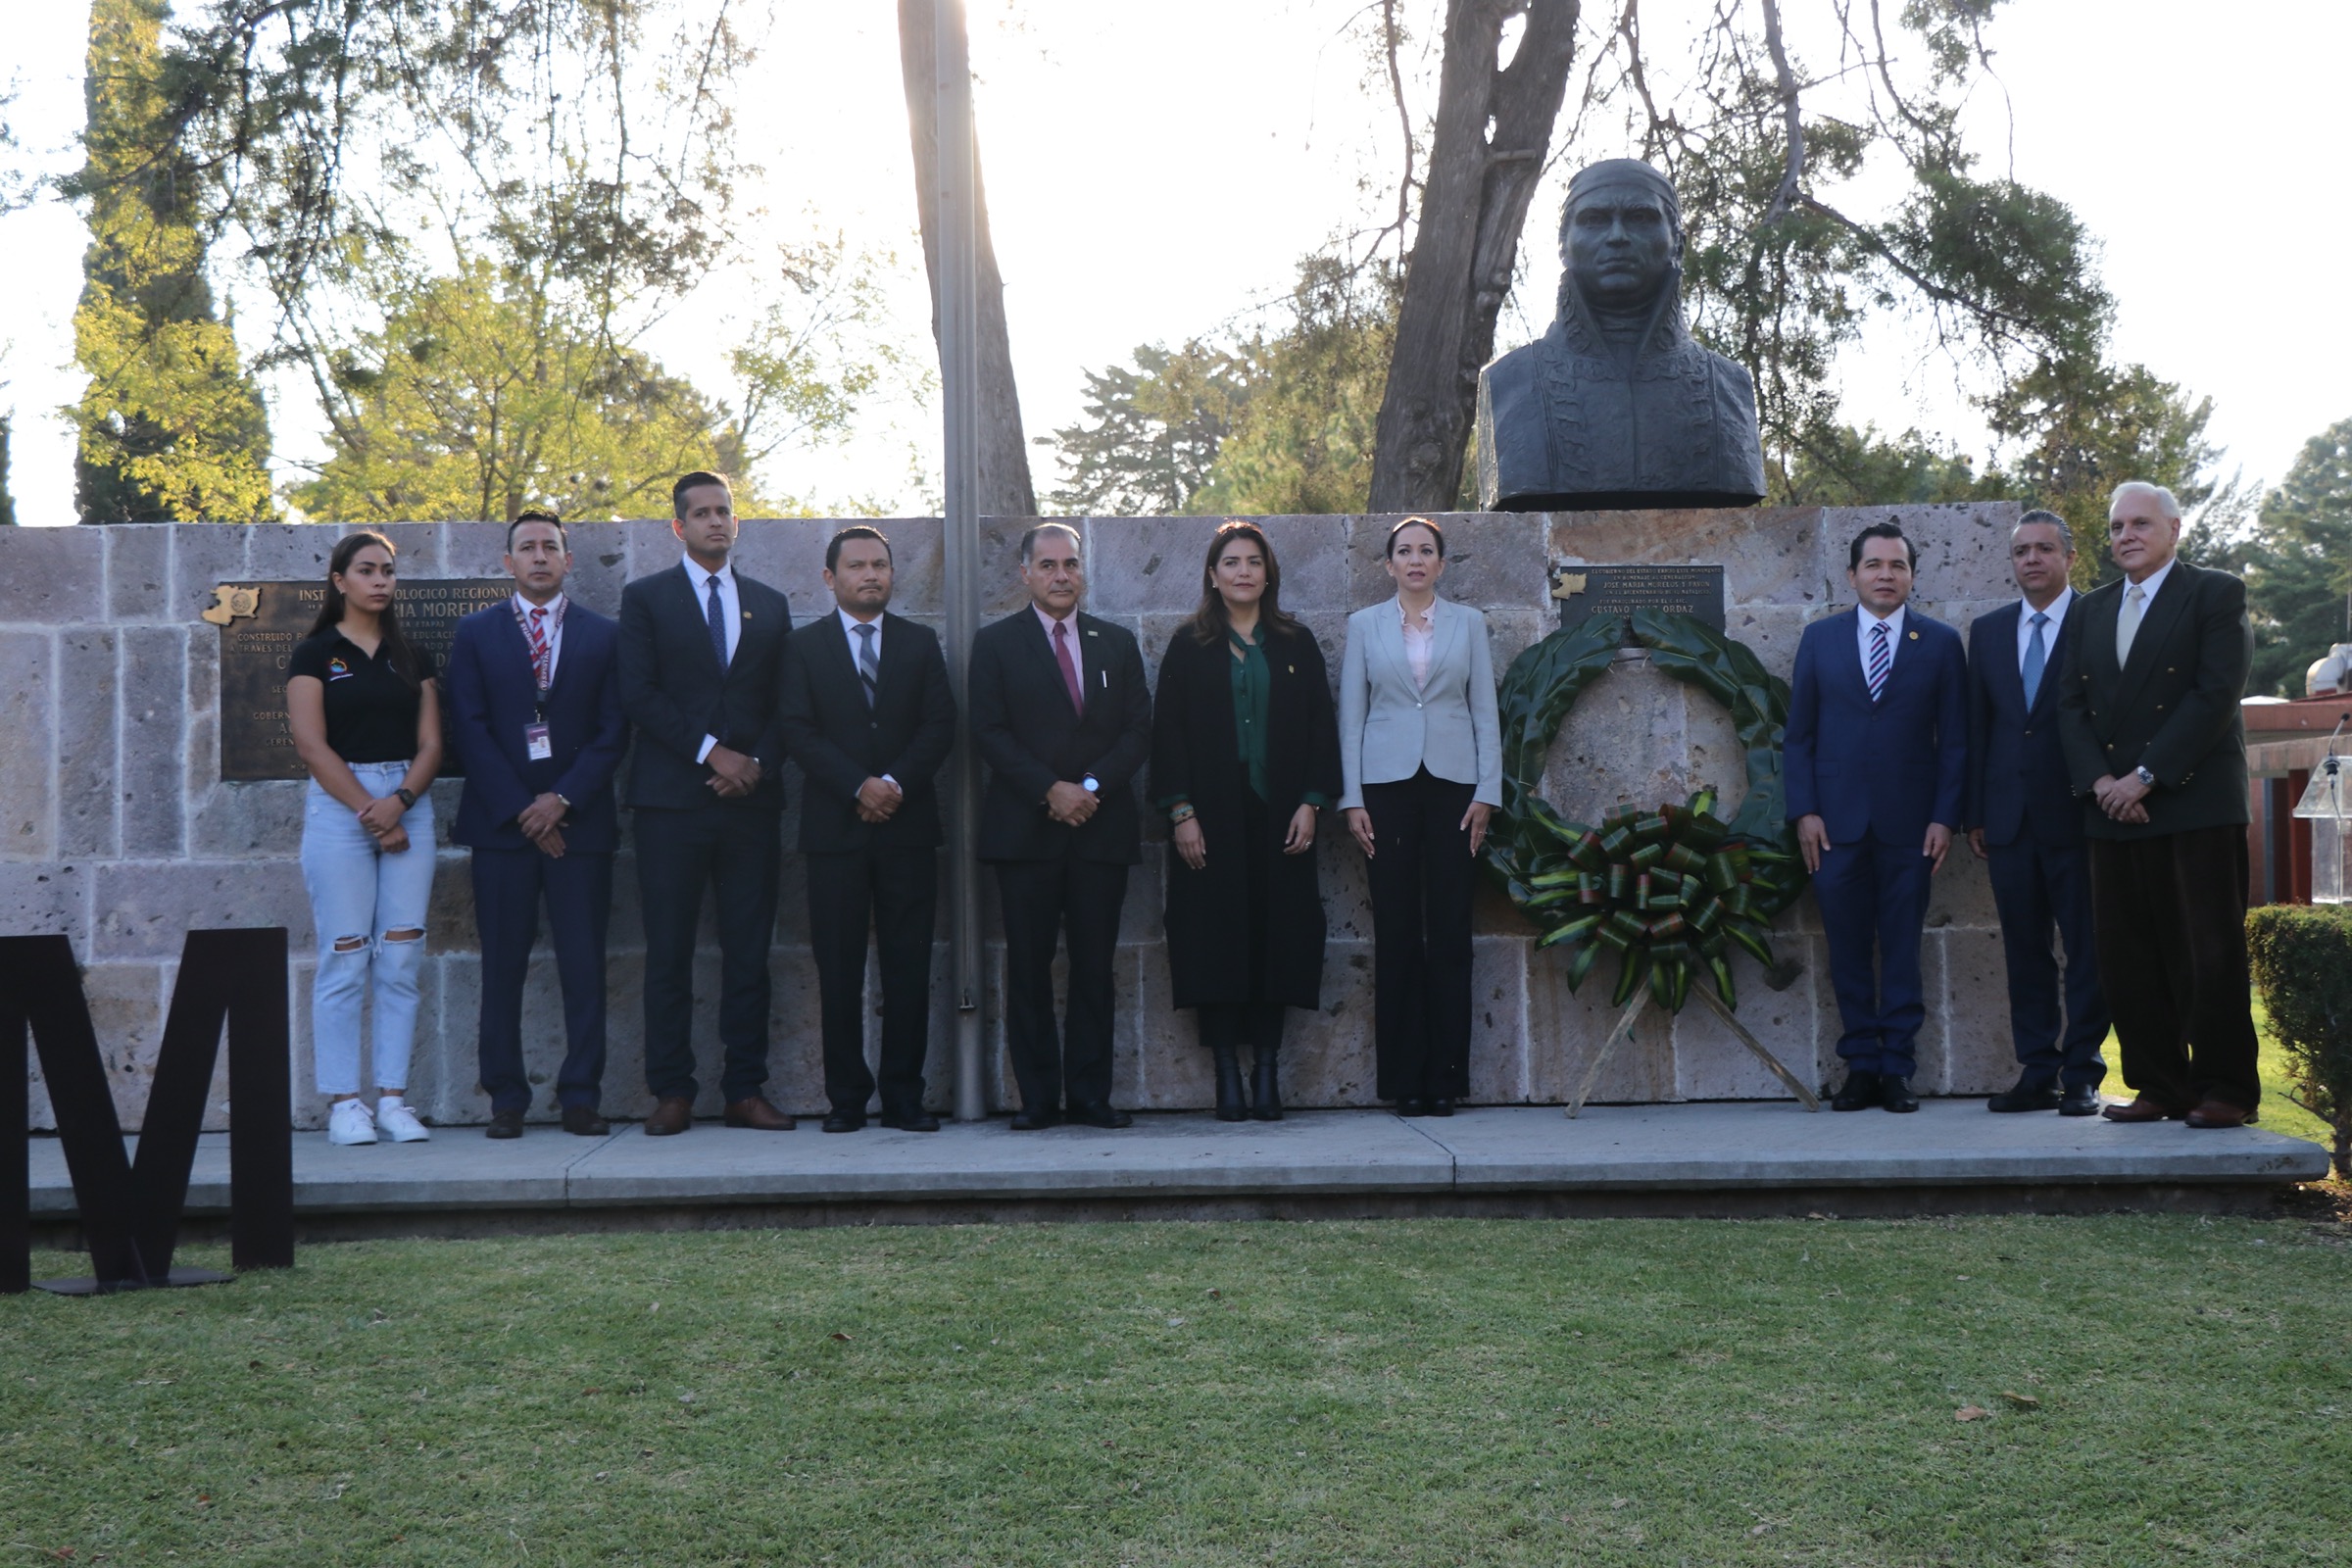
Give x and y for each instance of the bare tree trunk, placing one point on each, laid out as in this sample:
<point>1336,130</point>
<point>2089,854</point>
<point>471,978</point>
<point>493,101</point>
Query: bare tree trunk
<point>1472,207</point>
<point>1006,490</point>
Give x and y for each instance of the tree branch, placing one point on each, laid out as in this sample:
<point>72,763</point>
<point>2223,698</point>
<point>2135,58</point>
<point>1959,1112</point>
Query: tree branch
<point>1785,198</point>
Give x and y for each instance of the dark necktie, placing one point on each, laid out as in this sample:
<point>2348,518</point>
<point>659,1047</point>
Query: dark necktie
<point>1882,659</point>
<point>1069,666</point>
<point>2037,656</point>
<point>870,674</point>
<point>716,614</point>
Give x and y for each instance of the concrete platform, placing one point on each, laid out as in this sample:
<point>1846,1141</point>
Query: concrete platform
<point>1750,1157</point>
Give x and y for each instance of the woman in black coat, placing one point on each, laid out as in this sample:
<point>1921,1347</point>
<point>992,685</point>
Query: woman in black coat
<point>1244,751</point>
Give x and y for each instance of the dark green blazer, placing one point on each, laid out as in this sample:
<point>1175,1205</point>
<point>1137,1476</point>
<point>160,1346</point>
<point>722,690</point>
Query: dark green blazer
<point>2171,710</point>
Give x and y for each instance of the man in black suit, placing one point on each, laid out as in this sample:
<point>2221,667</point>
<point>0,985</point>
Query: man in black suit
<point>701,648</point>
<point>534,710</point>
<point>2156,747</point>
<point>1063,720</point>
<point>2028,827</point>
<point>867,713</point>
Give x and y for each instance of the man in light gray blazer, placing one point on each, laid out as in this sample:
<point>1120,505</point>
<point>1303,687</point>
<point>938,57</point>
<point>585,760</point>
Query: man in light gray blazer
<point>1421,760</point>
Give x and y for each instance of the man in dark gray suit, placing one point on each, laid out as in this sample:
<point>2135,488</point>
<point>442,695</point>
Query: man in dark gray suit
<point>2156,749</point>
<point>701,646</point>
<point>2025,824</point>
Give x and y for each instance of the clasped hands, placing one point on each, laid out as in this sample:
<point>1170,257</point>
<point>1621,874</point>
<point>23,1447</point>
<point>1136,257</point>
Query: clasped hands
<point>542,822</point>
<point>381,818</point>
<point>733,775</point>
<point>1071,804</point>
<point>878,800</point>
<point>2122,798</point>
<point>1191,844</point>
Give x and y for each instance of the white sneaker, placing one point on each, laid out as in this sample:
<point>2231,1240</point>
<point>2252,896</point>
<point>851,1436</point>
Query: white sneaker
<point>397,1122</point>
<point>350,1123</point>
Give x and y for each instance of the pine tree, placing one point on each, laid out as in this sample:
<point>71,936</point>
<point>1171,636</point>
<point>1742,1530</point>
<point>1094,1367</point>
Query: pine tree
<point>171,428</point>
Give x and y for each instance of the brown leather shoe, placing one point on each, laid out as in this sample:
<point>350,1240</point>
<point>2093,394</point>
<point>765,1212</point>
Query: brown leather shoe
<point>2144,1109</point>
<point>671,1115</point>
<point>755,1112</point>
<point>2219,1113</point>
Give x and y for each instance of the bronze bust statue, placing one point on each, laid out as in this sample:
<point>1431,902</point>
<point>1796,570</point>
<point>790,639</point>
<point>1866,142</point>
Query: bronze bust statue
<point>1616,405</point>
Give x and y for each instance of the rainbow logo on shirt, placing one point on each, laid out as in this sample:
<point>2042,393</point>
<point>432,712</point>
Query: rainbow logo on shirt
<point>336,670</point>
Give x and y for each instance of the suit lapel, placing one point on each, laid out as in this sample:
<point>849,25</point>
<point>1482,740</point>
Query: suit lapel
<point>1389,632</point>
<point>691,604</point>
<point>1446,626</point>
<point>2001,629</point>
<point>1042,648</point>
<point>2156,621</point>
<point>1850,653</point>
<point>2097,610</point>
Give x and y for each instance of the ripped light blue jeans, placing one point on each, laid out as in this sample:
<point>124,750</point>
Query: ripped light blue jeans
<point>358,894</point>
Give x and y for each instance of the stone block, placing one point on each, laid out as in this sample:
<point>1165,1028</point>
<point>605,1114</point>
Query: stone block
<point>1710,1063</point>
<point>1171,1072</point>
<point>1772,632</point>
<point>653,546</point>
<point>1933,1056</point>
<point>1327,1056</point>
<point>999,563</point>
<point>787,554</point>
<point>1769,555</point>
<point>626,1094</point>
<point>1980,1054</point>
<point>299,551</point>
<point>474,549</point>
<point>1498,1016</point>
<point>1513,632</point>
<point>139,573</point>
<point>1138,566</point>
<point>310,1107</point>
<point>204,556</point>
<point>152,783</point>
<point>127,1003</point>
<point>88,740</point>
<point>46,900</point>
<point>1565,1029</point>
<point>600,562</point>
<point>28,784</point>
<point>796,1049</point>
<point>1962,547</point>
<point>146,911</point>
<point>1960,896</point>
<point>449,925</point>
<point>1493,561</point>
<point>52,576</point>
<point>1346,885</point>
<point>261,817</point>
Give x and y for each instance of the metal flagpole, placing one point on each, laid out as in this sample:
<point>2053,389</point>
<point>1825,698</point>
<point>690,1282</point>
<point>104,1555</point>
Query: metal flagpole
<point>960,390</point>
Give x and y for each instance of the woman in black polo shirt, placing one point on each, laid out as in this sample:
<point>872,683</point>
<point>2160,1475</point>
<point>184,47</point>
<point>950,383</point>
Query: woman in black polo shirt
<point>360,702</point>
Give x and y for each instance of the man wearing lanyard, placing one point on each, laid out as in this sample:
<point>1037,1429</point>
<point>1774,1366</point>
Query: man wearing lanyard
<point>534,703</point>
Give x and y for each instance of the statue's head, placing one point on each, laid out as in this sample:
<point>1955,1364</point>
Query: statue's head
<point>1621,235</point>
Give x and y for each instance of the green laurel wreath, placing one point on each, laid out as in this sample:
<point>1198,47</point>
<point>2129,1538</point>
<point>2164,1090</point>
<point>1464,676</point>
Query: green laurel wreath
<point>1671,889</point>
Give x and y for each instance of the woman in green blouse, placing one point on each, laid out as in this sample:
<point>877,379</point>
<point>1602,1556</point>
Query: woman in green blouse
<point>1245,752</point>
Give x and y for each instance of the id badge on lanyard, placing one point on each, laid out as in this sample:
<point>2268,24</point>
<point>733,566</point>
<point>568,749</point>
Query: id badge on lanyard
<point>535,741</point>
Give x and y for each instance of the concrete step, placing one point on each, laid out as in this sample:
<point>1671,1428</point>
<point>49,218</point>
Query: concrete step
<point>1693,1157</point>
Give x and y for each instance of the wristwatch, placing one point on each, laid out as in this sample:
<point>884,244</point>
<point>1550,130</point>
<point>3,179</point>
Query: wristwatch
<point>1091,784</point>
<point>560,798</point>
<point>2147,780</point>
<point>408,797</point>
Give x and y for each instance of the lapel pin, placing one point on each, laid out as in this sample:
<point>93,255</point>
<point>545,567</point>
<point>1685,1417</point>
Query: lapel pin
<point>1915,636</point>
<point>747,614</point>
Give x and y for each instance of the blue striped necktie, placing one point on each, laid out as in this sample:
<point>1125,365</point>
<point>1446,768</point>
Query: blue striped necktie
<point>1882,659</point>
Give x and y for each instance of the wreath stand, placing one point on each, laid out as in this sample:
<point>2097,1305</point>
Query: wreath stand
<point>1633,1012</point>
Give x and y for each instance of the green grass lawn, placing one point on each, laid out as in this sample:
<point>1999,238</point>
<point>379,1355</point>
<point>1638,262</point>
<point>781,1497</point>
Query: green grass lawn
<point>1412,1391</point>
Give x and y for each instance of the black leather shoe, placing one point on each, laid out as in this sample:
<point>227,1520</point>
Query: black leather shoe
<point>843,1121</point>
<point>1101,1115</point>
<point>1859,1092</point>
<point>911,1121</point>
<point>1413,1105</point>
<point>2026,1096</point>
<point>1233,1100</point>
<point>1441,1107</point>
<point>2084,1100</point>
<point>586,1122</point>
<point>504,1124</point>
<point>1265,1085</point>
<point>1895,1094</point>
<point>1033,1121</point>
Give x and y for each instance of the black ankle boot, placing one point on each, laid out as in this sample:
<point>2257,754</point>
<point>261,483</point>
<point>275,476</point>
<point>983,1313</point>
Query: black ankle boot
<point>1267,1089</point>
<point>1232,1104</point>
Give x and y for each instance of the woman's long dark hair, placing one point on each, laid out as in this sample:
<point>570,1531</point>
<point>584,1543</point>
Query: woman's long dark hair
<point>1210,624</point>
<point>399,653</point>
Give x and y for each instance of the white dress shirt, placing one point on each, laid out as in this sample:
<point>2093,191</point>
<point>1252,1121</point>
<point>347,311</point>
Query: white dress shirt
<point>2147,597</point>
<point>2026,613</point>
<point>730,613</point>
<point>848,628</point>
<point>551,627</point>
<point>1077,654</point>
<point>1864,619</point>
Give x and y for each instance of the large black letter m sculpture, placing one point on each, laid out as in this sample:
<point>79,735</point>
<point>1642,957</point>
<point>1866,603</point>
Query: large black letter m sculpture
<point>130,1211</point>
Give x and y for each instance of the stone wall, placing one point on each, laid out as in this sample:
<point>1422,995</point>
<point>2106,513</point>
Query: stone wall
<point>115,829</point>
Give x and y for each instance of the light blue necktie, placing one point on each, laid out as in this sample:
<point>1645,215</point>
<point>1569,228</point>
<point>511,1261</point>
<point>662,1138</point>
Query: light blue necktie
<point>2037,656</point>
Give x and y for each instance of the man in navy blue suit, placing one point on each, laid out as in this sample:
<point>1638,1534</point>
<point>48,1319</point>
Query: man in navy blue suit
<point>2024,823</point>
<point>534,705</point>
<point>1877,762</point>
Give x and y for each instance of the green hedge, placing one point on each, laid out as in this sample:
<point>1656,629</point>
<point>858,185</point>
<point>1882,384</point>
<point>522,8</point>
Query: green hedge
<point>2302,959</point>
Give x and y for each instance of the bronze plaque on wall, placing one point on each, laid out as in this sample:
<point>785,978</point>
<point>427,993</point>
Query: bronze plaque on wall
<point>1586,591</point>
<point>260,625</point>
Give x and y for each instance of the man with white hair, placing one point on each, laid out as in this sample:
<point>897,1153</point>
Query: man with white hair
<point>2155,747</point>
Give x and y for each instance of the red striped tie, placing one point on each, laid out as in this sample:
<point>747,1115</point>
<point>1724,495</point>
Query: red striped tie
<point>539,647</point>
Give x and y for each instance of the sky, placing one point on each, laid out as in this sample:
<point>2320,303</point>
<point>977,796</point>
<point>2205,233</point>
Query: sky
<point>1156,171</point>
